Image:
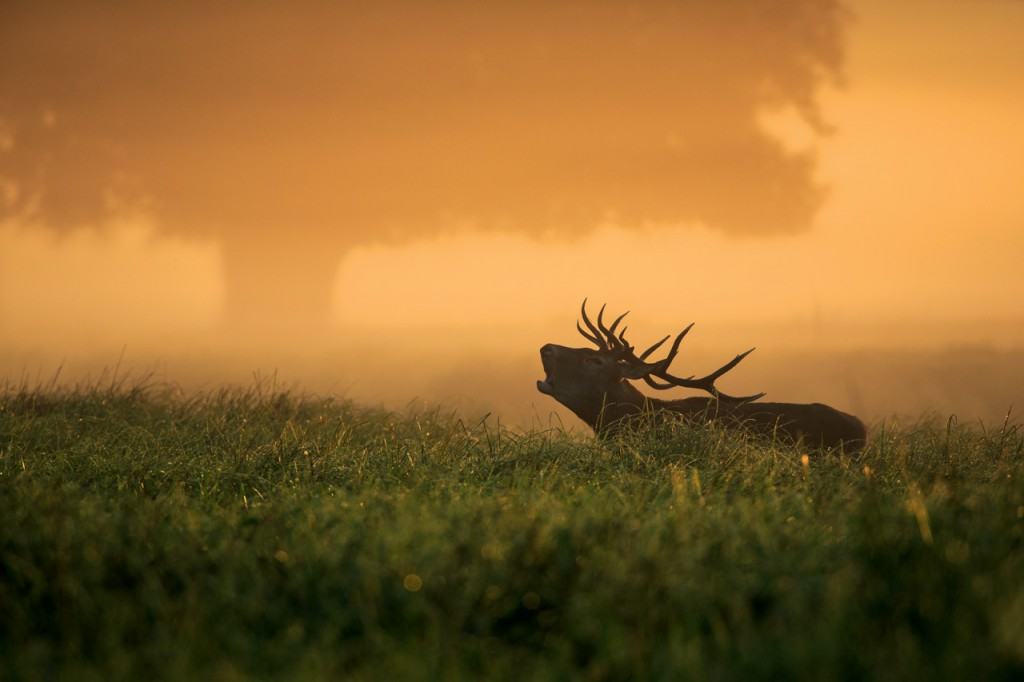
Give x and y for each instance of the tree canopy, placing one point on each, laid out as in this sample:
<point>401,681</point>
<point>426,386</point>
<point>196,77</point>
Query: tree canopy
<point>331,123</point>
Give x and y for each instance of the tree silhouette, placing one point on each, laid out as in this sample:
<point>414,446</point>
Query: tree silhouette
<point>292,131</point>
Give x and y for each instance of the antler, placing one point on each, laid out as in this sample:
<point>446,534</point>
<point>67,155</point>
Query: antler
<point>606,340</point>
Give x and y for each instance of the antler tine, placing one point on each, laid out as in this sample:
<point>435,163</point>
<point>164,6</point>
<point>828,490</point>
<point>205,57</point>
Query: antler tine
<point>611,329</point>
<point>655,347</point>
<point>664,364</point>
<point>737,398</point>
<point>614,343</point>
<point>617,342</point>
<point>600,319</point>
<point>729,365</point>
<point>654,384</point>
<point>588,337</point>
<point>597,337</point>
<point>707,383</point>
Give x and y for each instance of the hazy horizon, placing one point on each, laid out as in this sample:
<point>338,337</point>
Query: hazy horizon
<point>894,235</point>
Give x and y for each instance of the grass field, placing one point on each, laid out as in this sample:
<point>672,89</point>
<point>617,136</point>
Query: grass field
<point>150,535</point>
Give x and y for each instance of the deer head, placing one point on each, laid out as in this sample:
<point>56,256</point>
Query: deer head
<point>590,381</point>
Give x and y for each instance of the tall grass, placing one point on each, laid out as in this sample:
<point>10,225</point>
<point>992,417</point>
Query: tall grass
<point>258,534</point>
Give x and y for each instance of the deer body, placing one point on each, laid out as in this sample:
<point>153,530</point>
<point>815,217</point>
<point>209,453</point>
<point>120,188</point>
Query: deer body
<point>594,384</point>
<point>818,425</point>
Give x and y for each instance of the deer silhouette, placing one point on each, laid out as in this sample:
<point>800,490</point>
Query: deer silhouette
<point>595,385</point>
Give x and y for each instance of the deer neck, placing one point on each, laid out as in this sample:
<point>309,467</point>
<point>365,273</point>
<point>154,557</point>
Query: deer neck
<point>604,409</point>
<point>625,401</point>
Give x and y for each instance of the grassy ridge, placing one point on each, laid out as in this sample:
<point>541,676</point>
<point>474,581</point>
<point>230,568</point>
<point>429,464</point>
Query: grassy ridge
<point>251,534</point>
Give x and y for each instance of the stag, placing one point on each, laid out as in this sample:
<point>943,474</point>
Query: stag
<point>595,385</point>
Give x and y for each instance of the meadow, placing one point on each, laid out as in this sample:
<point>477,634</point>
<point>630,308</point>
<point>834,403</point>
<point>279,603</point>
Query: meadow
<point>148,533</point>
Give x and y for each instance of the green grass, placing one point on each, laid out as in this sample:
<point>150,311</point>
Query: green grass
<point>145,534</point>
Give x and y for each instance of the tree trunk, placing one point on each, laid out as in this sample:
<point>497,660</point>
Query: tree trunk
<point>278,288</point>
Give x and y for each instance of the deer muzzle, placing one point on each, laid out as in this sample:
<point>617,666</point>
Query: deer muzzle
<point>546,386</point>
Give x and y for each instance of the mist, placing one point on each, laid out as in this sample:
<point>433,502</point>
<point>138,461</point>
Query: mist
<point>880,273</point>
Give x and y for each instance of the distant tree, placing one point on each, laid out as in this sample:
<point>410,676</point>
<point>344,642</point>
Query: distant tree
<point>292,131</point>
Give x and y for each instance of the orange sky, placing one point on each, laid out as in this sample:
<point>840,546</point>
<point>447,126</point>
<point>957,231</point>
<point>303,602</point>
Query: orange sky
<point>918,242</point>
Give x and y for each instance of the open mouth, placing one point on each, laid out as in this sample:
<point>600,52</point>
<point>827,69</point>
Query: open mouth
<point>547,386</point>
